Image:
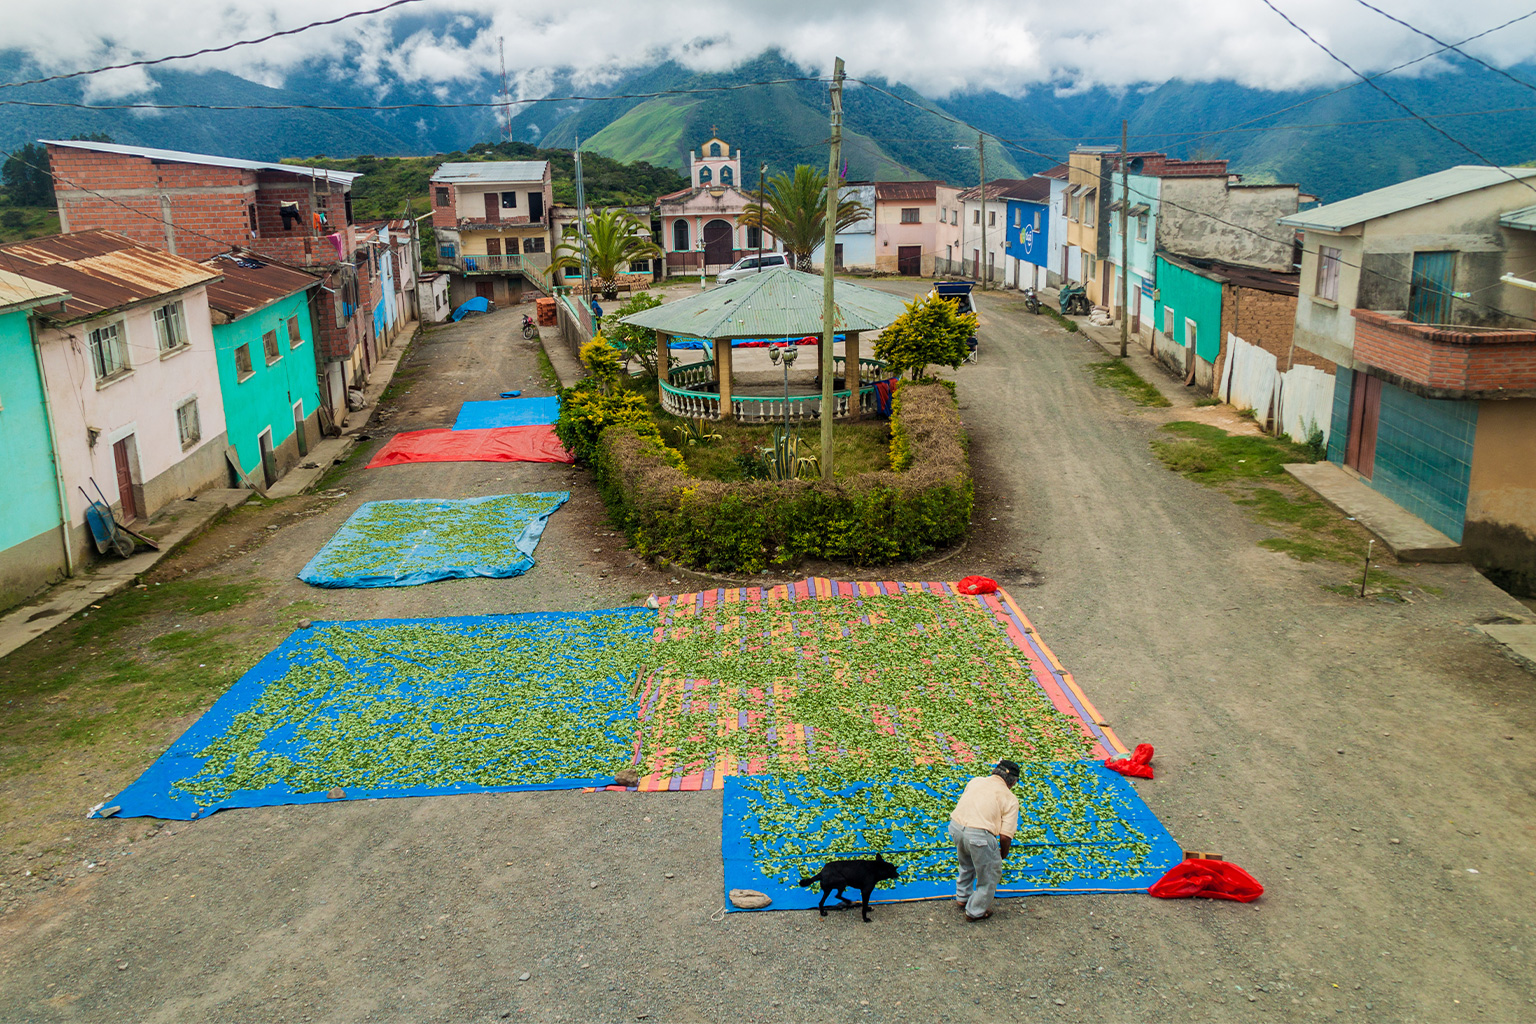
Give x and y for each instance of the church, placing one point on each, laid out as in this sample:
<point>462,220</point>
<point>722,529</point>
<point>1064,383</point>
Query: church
<point>701,224</point>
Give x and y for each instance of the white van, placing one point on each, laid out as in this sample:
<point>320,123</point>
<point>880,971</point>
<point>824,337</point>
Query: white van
<point>749,265</point>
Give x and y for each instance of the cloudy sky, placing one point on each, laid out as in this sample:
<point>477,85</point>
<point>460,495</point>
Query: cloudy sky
<point>1007,45</point>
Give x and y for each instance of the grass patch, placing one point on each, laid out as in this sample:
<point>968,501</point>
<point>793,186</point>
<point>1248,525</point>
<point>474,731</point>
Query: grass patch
<point>1117,374</point>
<point>1069,325</point>
<point>547,370</point>
<point>1212,456</point>
<point>860,447</point>
<point>332,476</point>
<point>1206,401</point>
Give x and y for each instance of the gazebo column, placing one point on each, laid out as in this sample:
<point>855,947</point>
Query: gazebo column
<point>851,374</point>
<point>723,375</point>
<point>663,359</point>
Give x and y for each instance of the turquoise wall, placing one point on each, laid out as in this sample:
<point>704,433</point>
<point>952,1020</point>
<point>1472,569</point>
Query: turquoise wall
<point>29,491</point>
<point>1142,252</point>
<point>1190,296</point>
<point>265,399</point>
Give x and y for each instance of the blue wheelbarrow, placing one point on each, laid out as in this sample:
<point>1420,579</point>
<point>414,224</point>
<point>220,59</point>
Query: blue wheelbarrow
<point>106,531</point>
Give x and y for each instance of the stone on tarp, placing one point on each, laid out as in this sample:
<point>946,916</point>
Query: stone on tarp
<point>749,899</point>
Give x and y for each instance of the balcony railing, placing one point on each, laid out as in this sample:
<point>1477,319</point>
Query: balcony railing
<point>1447,360</point>
<point>529,265</point>
<point>682,394</point>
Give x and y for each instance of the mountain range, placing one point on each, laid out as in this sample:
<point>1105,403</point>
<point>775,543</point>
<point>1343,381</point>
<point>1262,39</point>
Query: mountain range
<point>1333,145</point>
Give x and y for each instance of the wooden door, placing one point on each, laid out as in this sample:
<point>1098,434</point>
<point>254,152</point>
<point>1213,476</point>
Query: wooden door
<point>717,243</point>
<point>493,206</point>
<point>909,260</point>
<point>975,264</point>
<point>123,461</point>
<point>483,290</point>
<point>493,247</point>
<point>1364,414</point>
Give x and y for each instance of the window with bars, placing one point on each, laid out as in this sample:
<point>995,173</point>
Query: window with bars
<point>188,426</point>
<point>109,355</point>
<point>170,327</point>
<point>1328,261</point>
<point>295,336</point>
<point>243,368</point>
<point>269,346</point>
<point>442,197</point>
<point>754,237</point>
<point>909,215</point>
<point>533,244</point>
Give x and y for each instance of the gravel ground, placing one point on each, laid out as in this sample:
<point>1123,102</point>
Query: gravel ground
<point>1369,762</point>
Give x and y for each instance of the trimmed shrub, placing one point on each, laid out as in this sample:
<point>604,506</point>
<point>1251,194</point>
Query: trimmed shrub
<point>867,519</point>
<point>590,408</point>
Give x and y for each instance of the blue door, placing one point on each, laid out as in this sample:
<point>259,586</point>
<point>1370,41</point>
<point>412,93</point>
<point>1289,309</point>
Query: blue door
<point>1429,294</point>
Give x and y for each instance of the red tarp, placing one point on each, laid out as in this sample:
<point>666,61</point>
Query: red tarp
<point>497,444</point>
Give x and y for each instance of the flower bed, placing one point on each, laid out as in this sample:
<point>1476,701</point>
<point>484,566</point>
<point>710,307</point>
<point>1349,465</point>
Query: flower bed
<point>921,504</point>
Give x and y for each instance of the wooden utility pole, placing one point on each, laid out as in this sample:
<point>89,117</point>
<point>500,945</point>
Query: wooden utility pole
<point>828,247</point>
<point>762,211</point>
<point>1125,248</point>
<point>981,157</point>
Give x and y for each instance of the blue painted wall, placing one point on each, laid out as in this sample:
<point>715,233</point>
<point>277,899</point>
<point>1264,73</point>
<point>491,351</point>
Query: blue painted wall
<point>1022,239</point>
<point>265,399</point>
<point>29,491</point>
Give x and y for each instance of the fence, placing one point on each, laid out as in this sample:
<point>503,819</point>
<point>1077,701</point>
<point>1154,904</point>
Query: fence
<point>1293,403</point>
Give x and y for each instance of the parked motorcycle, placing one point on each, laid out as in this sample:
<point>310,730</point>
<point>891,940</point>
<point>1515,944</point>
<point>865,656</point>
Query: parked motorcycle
<point>1031,301</point>
<point>1074,300</point>
<point>530,327</point>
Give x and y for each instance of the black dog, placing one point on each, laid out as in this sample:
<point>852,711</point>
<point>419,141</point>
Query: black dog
<point>862,875</point>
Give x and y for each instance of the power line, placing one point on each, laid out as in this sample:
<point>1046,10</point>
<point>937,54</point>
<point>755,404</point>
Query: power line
<point>212,49</point>
<point>1446,46</point>
<point>498,103</point>
<point>1406,109</point>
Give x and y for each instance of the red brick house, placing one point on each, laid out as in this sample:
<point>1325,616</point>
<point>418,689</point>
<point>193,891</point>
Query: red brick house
<point>196,206</point>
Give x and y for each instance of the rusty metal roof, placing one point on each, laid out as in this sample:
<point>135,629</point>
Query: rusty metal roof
<point>245,289</point>
<point>173,156</point>
<point>17,292</point>
<point>779,303</point>
<point>898,190</point>
<point>101,270</point>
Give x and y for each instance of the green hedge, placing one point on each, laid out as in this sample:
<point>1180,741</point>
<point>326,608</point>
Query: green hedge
<point>867,519</point>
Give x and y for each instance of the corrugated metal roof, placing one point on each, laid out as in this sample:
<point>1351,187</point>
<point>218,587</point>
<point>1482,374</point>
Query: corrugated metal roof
<point>17,292</point>
<point>177,157</point>
<point>773,304</point>
<point>491,171</point>
<point>1524,219</point>
<point>1405,195</point>
<point>244,290</point>
<point>998,189</point>
<point>892,190</point>
<point>102,270</point>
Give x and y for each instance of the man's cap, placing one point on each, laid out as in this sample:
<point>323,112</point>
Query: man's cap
<point>1008,768</point>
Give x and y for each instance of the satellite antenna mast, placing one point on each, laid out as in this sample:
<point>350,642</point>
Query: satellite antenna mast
<point>506,97</point>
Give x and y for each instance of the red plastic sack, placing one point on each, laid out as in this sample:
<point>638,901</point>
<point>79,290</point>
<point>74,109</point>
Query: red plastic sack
<point>1138,765</point>
<point>977,585</point>
<point>1210,879</point>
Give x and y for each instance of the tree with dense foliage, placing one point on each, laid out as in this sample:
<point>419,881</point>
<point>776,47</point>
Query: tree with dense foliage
<point>26,177</point>
<point>614,240</point>
<point>932,332</point>
<point>638,343</point>
<point>795,212</point>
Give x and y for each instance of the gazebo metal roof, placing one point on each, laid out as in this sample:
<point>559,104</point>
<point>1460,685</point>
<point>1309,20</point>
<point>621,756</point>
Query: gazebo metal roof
<point>779,303</point>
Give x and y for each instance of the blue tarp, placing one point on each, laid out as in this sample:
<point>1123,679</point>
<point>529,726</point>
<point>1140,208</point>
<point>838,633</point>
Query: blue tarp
<point>478,304</point>
<point>507,412</point>
<point>744,342</point>
<point>1082,828</point>
<point>404,543</point>
<point>411,707</point>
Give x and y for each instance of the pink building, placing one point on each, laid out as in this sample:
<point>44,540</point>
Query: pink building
<point>908,225</point>
<point>701,224</point>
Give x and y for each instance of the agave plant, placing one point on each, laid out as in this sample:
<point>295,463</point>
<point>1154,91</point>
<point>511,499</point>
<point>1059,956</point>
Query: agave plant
<point>783,460</point>
<point>695,431</point>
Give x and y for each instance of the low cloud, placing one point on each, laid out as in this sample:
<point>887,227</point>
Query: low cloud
<point>989,44</point>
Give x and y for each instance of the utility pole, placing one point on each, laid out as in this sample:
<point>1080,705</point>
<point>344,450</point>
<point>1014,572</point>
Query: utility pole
<point>1125,247</point>
<point>506,97</point>
<point>981,157</point>
<point>581,230</point>
<point>761,210</point>
<point>826,272</point>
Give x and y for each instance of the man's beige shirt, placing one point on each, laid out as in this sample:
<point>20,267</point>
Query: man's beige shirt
<point>988,803</point>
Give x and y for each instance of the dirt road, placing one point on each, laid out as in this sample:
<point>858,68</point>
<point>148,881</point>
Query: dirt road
<point>1356,757</point>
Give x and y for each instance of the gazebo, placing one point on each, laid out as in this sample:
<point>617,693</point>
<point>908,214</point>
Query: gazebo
<point>772,305</point>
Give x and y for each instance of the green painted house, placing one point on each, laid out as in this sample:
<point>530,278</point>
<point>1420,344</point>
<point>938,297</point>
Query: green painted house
<point>34,548</point>
<point>264,333</point>
<point>1187,315</point>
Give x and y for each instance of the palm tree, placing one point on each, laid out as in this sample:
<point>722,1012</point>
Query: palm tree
<point>614,239</point>
<point>796,213</point>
